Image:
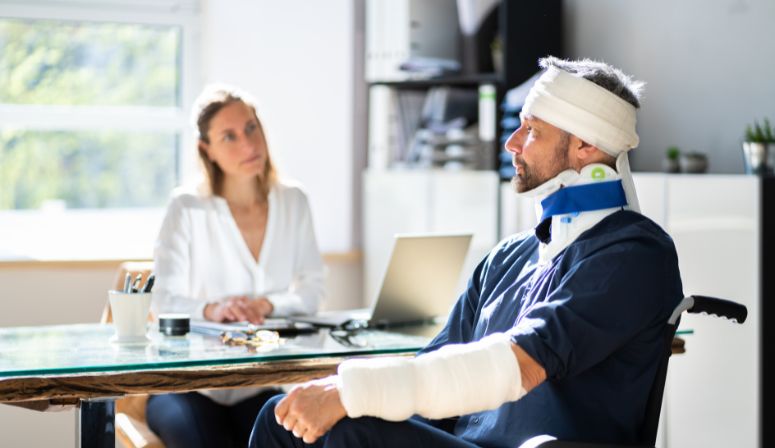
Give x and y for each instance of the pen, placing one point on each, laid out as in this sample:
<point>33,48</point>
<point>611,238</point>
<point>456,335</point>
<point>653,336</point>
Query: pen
<point>127,282</point>
<point>149,283</point>
<point>136,283</point>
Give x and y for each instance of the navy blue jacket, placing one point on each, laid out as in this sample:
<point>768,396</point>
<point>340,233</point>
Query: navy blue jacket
<point>593,318</point>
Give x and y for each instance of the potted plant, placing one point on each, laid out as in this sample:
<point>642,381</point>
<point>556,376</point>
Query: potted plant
<point>694,162</point>
<point>758,147</point>
<point>670,162</point>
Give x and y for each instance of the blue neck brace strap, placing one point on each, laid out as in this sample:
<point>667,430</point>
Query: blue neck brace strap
<point>584,198</point>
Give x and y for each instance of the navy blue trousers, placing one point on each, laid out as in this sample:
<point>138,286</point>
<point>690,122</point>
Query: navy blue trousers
<point>358,432</point>
<point>193,420</point>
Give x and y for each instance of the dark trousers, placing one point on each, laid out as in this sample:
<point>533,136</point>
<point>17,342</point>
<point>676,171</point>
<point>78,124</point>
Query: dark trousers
<point>194,420</point>
<point>358,432</point>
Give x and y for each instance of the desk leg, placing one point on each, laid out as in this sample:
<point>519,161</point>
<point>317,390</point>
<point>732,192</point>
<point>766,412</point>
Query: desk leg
<point>95,424</point>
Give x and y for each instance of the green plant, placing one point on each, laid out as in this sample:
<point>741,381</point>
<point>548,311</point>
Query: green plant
<point>672,153</point>
<point>760,133</point>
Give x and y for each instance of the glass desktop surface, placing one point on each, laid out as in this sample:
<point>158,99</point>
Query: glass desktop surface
<point>86,348</point>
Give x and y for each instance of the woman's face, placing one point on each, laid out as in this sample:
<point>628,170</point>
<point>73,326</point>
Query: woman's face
<point>237,142</point>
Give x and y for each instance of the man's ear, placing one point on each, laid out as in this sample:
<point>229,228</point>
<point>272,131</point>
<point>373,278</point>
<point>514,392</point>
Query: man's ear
<point>582,151</point>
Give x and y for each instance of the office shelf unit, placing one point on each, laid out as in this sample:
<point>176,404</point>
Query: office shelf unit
<point>441,200</point>
<point>525,31</point>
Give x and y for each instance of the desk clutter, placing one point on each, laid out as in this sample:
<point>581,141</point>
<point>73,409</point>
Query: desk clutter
<point>129,308</point>
<point>133,287</point>
<point>174,324</point>
<point>259,339</point>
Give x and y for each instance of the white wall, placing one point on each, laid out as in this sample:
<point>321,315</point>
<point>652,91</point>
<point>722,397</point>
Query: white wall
<point>708,65</point>
<point>296,58</point>
<point>47,296</point>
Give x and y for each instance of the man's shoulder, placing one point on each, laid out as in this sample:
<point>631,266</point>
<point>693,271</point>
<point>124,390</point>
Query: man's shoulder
<point>626,228</point>
<point>514,246</point>
<point>632,223</point>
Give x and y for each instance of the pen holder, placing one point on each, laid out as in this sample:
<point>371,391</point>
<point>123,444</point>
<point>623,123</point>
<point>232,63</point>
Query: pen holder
<point>130,316</point>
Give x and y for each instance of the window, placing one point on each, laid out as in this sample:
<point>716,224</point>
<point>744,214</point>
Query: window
<point>93,119</point>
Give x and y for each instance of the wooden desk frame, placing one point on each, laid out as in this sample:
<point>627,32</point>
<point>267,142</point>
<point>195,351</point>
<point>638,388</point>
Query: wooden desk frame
<point>94,393</point>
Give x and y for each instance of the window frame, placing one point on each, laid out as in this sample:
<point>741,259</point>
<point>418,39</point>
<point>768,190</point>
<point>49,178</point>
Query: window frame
<point>184,14</point>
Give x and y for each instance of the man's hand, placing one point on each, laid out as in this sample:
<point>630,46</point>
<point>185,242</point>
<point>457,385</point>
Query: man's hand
<point>239,309</point>
<point>311,409</point>
<point>533,374</point>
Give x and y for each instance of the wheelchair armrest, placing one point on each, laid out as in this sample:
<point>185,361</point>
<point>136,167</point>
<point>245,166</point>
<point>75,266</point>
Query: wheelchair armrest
<point>564,444</point>
<point>719,307</point>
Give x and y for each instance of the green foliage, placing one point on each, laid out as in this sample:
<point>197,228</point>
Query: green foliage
<point>760,133</point>
<point>53,62</point>
<point>86,169</point>
<point>673,153</point>
<point>93,64</point>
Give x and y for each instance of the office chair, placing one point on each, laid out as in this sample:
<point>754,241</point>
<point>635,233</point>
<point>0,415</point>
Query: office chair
<point>131,427</point>
<point>648,432</point>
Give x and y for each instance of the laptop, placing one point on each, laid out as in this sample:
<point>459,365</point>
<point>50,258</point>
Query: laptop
<point>418,284</point>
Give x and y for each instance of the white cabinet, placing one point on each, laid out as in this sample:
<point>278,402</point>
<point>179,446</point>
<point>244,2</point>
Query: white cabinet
<point>518,213</point>
<point>712,395</point>
<point>426,201</point>
<point>651,188</point>
<point>713,398</point>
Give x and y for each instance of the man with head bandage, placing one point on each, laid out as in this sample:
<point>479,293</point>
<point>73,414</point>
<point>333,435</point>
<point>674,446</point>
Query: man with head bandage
<point>559,330</point>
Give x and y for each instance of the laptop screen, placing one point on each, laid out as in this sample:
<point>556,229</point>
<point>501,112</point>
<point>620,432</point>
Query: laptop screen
<point>420,280</point>
<point>418,284</point>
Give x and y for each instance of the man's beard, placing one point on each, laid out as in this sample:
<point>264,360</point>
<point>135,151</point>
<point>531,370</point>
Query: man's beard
<point>529,179</point>
<point>525,181</point>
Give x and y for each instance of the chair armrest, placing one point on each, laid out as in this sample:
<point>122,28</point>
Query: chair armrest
<point>564,444</point>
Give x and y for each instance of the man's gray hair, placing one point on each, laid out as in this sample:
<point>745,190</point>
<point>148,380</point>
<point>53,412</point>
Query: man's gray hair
<point>602,74</point>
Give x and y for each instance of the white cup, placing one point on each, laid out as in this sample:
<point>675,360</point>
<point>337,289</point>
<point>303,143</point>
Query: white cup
<point>130,316</point>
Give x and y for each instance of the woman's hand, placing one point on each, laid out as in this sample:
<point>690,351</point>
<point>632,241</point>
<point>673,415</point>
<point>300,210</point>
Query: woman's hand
<point>239,309</point>
<point>262,308</point>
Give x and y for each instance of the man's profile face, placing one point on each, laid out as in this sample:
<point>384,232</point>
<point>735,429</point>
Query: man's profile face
<point>539,152</point>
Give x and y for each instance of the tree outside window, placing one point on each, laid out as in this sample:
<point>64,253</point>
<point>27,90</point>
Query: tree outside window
<point>80,70</point>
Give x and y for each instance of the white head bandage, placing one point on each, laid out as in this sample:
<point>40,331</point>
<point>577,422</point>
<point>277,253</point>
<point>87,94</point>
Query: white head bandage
<point>591,113</point>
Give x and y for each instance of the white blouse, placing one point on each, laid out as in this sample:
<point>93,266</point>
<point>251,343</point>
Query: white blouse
<point>201,257</point>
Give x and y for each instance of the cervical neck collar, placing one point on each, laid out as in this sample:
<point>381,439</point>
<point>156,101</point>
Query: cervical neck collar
<point>573,202</point>
<point>584,198</point>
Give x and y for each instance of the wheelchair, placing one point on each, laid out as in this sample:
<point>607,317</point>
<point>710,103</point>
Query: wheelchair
<point>648,431</point>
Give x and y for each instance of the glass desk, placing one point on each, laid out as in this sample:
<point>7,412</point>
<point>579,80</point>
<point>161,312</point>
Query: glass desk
<point>76,364</point>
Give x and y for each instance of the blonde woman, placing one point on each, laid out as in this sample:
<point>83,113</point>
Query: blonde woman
<point>239,247</point>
